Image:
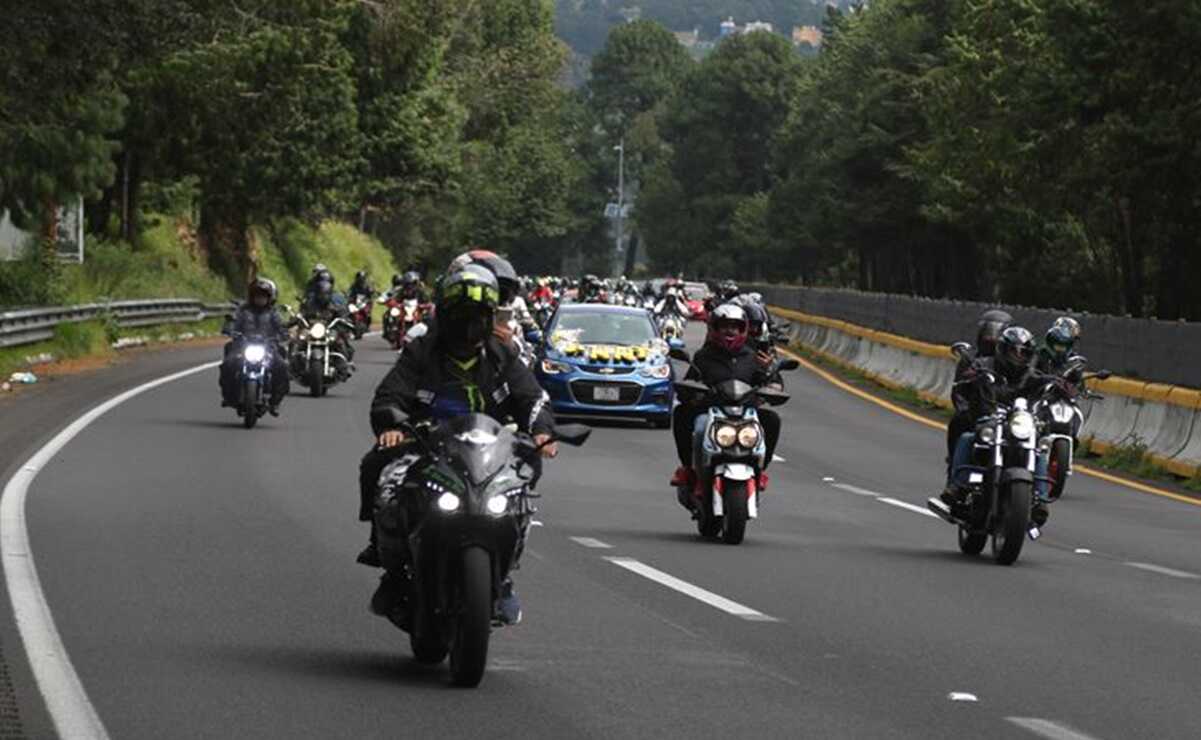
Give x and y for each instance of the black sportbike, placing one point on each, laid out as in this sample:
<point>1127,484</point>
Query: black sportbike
<point>451,519</point>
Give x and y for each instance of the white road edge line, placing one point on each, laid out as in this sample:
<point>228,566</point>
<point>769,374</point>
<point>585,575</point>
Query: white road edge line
<point>906,505</point>
<point>696,592</point>
<point>1153,568</point>
<point>590,542</point>
<point>1048,729</point>
<point>66,701</point>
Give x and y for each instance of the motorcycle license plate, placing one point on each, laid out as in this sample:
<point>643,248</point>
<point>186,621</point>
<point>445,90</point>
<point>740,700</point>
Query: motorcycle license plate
<point>602,393</point>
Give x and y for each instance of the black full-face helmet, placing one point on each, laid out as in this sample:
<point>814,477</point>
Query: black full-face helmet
<point>1061,337</point>
<point>988,331</point>
<point>1015,352</point>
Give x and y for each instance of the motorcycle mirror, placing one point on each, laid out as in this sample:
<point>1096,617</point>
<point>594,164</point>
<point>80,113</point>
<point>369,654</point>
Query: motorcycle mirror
<point>572,434</point>
<point>961,349</point>
<point>678,353</point>
<point>1103,375</point>
<point>789,364</point>
<point>676,343</point>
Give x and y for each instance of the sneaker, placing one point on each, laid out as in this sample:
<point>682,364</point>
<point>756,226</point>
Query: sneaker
<point>273,409</point>
<point>952,495</point>
<point>369,556</point>
<point>1039,514</point>
<point>508,607</point>
<point>684,476</point>
<point>228,404</point>
<point>763,481</point>
<point>388,596</point>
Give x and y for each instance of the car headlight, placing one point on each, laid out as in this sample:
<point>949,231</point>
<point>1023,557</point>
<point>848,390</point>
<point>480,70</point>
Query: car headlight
<point>317,331</point>
<point>395,312</point>
<point>497,504</point>
<point>1021,425</point>
<point>550,367</point>
<point>449,502</point>
<point>748,436</point>
<point>725,435</point>
<point>658,372</point>
<point>255,353</point>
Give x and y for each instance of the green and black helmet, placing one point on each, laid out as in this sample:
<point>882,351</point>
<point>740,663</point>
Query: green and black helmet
<point>468,286</point>
<point>1061,337</point>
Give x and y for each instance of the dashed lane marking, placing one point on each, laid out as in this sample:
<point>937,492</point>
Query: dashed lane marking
<point>1153,568</point>
<point>855,490</point>
<point>1048,729</point>
<point>962,696</point>
<point>708,597</point>
<point>590,542</point>
<point>777,458</point>
<point>906,505</point>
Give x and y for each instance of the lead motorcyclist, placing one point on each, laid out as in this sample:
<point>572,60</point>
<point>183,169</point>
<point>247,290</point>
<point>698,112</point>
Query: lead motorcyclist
<point>459,366</point>
<point>725,356</point>
<point>256,317</point>
<point>1013,375</point>
<point>989,327</point>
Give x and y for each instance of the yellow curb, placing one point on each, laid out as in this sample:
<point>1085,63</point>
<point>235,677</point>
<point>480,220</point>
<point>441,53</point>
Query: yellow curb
<point>1093,444</point>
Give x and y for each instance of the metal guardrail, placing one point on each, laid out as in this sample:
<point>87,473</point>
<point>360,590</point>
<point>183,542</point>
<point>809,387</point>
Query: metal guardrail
<point>26,326</point>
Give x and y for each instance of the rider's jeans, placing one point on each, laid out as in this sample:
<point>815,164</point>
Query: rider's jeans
<point>963,455</point>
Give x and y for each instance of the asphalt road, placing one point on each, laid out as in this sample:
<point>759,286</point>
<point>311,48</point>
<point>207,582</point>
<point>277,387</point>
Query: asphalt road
<point>202,578</point>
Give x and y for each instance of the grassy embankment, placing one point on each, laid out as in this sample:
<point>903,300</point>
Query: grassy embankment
<point>166,262</point>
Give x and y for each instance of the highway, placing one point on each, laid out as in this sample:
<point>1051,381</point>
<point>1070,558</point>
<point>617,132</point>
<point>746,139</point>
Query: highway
<point>203,582</point>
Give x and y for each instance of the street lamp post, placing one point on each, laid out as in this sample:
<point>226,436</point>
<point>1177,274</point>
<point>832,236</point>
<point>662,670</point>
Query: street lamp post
<point>621,184</point>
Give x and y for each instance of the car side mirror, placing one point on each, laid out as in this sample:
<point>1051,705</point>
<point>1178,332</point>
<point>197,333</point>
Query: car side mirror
<point>677,353</point>
<point>789,364</point>
<point>572,434</point>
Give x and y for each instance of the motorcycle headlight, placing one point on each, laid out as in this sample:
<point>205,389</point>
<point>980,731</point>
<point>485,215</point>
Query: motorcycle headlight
<point>449,502</point>
<point>317,331</point>
<point>658,372</point>
<point>497,504</point>
<point>986,434</point>
<point>254,353</point>
<point>1021,425</point>
<point>1061,412</point>
<point>748,436</point>
<point>725,435</point>
<point>550,367</point>
<point>395,312</point>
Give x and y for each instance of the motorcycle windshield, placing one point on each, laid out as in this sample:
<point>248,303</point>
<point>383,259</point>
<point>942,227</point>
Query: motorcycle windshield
<point>733,390</point>
<point>476,445</point>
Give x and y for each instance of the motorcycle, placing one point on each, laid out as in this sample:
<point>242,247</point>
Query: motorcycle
<point>254,379</point>
<point>998,481</point>
<point>360,315</point>
<point>1059,420</point>
<point>451,523</point>
<point>314,357</point>
<point>728,454</point>
<point>542,312</point>
<point>671,326</point>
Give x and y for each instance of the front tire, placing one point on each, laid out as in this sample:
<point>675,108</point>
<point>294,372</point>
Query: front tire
<point>250,403</point>
<point>733,522</point>
<point>1010,531</point>
<point>1057,467</point>
<point>473,626</point>
<point>316,380</point>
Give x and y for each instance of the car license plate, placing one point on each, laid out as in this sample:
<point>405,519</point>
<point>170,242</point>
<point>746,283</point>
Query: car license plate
<point>606,393</point>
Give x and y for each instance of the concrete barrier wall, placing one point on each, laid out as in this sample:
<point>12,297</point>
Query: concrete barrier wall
<point>1166,419</point>
<point>1160,351</point>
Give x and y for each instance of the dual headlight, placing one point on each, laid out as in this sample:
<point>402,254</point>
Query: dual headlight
<point>254,352</point>
<point>550,367</point>
<point>496,504</point>
<point>658,372</point>
<point>317,331</point>
<point>727,435</point>
<point>1021,425</point>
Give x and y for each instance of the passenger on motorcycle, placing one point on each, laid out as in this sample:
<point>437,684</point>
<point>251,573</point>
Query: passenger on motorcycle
<point>458,367</point>
<point>256,317</point>
<point>1011,366</point>
<point>724,356</point>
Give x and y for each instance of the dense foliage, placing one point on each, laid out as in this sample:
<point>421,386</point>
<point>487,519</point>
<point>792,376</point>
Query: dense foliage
<point>437,123</point>
<point>1042,153</point>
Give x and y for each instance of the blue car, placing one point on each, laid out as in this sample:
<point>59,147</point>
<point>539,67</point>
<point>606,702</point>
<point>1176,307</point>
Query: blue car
<point>601,360</point>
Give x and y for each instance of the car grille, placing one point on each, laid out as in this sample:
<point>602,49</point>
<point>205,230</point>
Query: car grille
<point>628,393</point>
<point>608,369</point>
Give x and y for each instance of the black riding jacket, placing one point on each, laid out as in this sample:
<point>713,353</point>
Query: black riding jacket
<point>713,365</point>
<point>251,321</point>
<point>426,384</point>
<point>979,396</point>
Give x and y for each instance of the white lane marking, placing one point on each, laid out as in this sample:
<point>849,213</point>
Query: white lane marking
<point>777,458</point>
<point>961,696</point>
<point>1153,568</point>
<point>589,542</point>
<point>1048,729</point>
<point>66,701</point>
<point>1083,551</point>
<point>536,523</point>
<point>827,479</point>
<point>907,505</point>
<point>855,489</point>
<point>696,592</point>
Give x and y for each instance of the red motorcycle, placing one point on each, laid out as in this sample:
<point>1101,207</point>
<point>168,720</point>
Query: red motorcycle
<point>360,315</point>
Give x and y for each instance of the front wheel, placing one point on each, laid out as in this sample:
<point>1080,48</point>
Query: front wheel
<point>250,403</point>
<point>733,522</point>
<point>316,379</point>
<point>1010,530</point>
<point>473,623</point>
<point>1057,467</point>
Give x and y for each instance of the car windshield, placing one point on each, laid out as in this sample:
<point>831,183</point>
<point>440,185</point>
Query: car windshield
<point>696,292</point>
<point>608,327</point>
